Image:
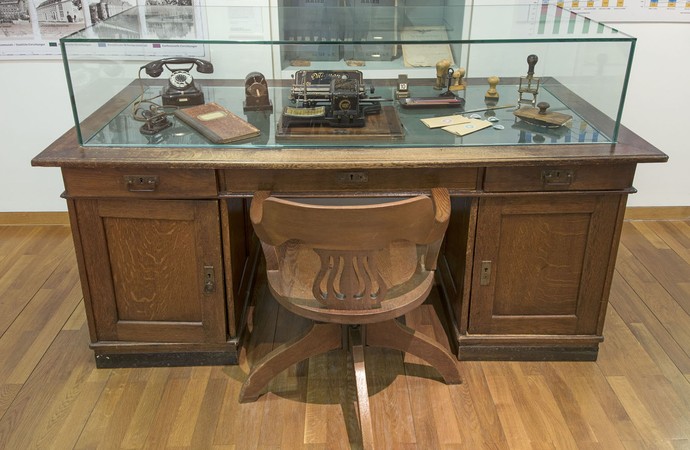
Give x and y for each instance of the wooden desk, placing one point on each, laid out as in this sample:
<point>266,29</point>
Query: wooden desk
<point>167,263</point>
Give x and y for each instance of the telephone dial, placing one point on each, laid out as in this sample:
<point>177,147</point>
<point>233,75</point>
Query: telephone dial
<point>181,89</point>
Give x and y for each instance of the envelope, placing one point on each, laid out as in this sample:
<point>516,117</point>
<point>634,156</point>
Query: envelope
<point>445,121</point>
<point>468,127</point>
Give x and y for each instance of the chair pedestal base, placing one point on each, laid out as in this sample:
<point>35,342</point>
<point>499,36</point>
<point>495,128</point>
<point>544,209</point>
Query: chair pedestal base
<point>324,337</point>
<point>393,334</point>
<point>364,413</point>
<point>319,338</point>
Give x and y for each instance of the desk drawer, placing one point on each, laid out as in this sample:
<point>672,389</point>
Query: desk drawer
<point>140,183</point>
<point>559,178</point>
<point>250,180</point>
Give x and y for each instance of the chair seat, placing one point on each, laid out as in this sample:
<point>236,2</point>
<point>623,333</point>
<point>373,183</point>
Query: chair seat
<point>292,285</point>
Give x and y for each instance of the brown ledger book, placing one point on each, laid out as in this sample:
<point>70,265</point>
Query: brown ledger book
<point>216,123</point>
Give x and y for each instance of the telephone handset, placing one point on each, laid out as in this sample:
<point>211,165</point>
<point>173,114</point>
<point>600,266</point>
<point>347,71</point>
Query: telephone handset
<point>181,90</point>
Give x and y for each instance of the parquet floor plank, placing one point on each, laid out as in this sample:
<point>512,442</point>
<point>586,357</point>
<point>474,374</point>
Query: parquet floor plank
<point>142,418</point>
<point>588,419</point>
<point>327,402</point>
<point>644,302</point>
<point>480,423</point>
<point>668,268</point>
<point>507,407</point>
<point>28,266</point>
<point>652,389</point>
<point>60,390</point>
<point>290,386</point>
<point>392,399</point>
<point>424,382</point>
<point>675,235</point>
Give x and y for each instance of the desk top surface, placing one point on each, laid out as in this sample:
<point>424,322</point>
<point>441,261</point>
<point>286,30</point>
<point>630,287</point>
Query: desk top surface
<point>66,152</point>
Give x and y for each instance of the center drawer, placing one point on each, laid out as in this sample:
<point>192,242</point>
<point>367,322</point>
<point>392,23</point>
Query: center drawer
<point>285,180</point>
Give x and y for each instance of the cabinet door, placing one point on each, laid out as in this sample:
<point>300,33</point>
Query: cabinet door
<point>154,269</point>
<point>542,263</point>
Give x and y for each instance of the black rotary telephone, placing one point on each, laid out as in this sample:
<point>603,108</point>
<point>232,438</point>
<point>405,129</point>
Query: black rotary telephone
<point>181,90</point>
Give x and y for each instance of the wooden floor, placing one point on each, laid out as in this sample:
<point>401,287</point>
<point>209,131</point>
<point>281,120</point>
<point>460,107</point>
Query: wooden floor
<point>637,395</point>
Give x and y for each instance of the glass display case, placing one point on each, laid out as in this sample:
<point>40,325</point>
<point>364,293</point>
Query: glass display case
<point>347,73</point>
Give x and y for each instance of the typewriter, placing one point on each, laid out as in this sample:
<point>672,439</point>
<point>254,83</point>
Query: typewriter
<point>335,98</point>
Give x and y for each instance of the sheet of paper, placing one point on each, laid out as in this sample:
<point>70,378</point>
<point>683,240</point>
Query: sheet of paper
<point>425,55</point>
<point>471,126</point>
<point>444,121</point>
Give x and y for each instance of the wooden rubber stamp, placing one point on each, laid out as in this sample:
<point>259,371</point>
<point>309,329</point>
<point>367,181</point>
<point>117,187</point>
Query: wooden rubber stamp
<point>529,85</point>
<point>492,93</point>
<point>441,74</point>
<point>457,80</point>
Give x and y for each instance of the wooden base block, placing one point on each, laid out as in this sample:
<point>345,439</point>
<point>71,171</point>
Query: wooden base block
<point>120,360</point>
<point>385,125</point>
<point>549,120</point>
<point>525,353</point>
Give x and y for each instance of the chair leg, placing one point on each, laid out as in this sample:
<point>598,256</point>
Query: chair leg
<point>393,334</point>
<point>365,425</point>
<point>319,338</point>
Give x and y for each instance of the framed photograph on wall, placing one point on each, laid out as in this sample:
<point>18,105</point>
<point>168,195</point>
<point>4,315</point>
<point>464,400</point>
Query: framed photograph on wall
<point>31,29</point>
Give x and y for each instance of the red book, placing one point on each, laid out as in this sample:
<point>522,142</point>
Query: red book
<point>216,123</point>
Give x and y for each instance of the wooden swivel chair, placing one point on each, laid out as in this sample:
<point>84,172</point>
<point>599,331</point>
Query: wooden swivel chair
<point>354,268</point>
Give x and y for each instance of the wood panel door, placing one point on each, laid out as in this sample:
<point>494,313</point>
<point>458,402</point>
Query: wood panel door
<point>154,269</point>
<point>542,263</point>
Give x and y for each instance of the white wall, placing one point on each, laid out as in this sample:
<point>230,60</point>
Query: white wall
<point>656,109</point>
<point>34,110</point>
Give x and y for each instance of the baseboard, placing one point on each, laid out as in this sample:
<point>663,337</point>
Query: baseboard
<point>657,213</point>
<point>34,218</point>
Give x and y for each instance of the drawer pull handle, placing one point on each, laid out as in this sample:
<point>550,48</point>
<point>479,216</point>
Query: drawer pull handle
<point>141,183</point>
<point>557,177</point>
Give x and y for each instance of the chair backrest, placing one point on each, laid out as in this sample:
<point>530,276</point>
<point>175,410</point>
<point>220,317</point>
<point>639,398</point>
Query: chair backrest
<point>348,238</point>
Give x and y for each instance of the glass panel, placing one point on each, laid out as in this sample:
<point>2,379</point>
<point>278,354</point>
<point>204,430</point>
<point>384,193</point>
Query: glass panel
<point>582,72</point>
